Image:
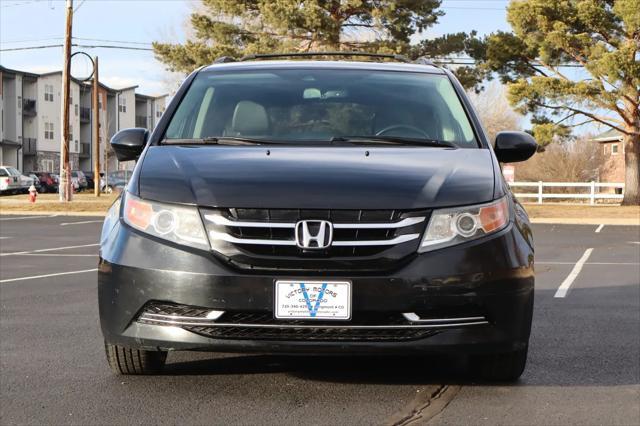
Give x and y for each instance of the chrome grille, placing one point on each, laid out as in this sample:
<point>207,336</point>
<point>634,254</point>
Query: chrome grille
<point>248,237</point>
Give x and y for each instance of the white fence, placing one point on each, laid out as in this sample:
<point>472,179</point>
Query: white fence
<point>593,194</point>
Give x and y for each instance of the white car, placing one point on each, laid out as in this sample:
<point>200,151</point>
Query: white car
<point>25,183</point>
<point>10,182</point>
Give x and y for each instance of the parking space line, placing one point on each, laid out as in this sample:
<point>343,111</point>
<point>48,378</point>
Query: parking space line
<point>589,263</point>
<point>27,217</point>
<point>58,255</point>
<point>566,284</point>
<point>599,228</point>
<point>34,277</point>
<point>45,250</point>
<point>81,223</point>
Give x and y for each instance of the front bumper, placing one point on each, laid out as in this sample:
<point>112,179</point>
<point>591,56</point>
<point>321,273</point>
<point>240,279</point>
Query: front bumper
<point>493,275</point>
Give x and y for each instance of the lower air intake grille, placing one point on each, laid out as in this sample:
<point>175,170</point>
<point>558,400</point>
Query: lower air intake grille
<point>317,333</point>
<point>263,326</point>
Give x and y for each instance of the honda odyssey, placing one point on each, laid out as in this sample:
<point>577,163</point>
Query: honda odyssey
<point>318,207</point>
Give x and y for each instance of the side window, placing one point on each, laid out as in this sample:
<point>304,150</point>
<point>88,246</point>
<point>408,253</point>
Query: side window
<point>3,173</point>
<point>458,129</point>
<point>122,104</point>
<point>47,165</point>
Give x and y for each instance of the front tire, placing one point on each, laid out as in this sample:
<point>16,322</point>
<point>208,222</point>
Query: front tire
<point>128,361</point>
<point>502,367</point>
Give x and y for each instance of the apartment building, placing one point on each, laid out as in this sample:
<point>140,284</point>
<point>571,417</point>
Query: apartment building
<point>30,105</point>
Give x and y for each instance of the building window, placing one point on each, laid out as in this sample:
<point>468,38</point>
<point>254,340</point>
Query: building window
<point>122,104</point>
<point>99,100</point>
<point>71,133</point>
<point>614,149</point>
<point>76,145</point>
<point>47,165</point>
<point>48,92</point>
<point>19,102</point>
<point>158,114</point>
<point>76,108</point>
<point>48,131</point>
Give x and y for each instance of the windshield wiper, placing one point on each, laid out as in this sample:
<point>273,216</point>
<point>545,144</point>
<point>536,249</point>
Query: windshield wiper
<point>395,140</point>
<point>217,140</point>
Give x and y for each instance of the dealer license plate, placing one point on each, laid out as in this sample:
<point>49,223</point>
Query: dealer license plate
<point>313,300</point>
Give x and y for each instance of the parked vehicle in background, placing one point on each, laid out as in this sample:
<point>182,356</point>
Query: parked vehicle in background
<point>116,181</point>
<point>9,180</point>
<point>89,176</point>
<point>75,183</point>
<point>79,176</point>
<point>25,183</point>
<point>36,181</point>
<point>47,182</point>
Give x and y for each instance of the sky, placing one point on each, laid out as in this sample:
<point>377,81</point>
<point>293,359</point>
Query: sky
<point>41,22</point>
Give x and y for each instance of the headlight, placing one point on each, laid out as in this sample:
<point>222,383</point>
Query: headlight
<point>179,224</point>
<point>457,225</point>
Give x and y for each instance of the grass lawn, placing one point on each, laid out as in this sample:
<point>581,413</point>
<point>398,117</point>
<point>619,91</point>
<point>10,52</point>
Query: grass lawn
<point>82,202</point>
<point>573,211</point>
<point>88,203</point>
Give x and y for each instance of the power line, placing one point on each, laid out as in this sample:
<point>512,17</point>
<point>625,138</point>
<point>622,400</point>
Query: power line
<point>84,46</point>
<point>11,49</point>
<point>78,6</point>
<point>442,61</point>
<point>76,38</point>
<point>473,8</point>
<point>110,46</point>
<point>113,41</point>
<point>22,3</point>
<point>24,40</point>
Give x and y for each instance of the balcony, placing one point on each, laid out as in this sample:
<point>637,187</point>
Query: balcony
<point>29,146</point>
<point>141,121</point>
<point>85,114</point>
<point>29,107</point>
<point>85,150</point>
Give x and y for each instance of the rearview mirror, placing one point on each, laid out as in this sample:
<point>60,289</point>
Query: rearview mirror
<point>511,147</point>
<point>129,143</point>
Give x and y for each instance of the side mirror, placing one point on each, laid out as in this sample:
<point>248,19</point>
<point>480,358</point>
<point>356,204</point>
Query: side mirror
<point>511,147</point>
<point>129,143</point>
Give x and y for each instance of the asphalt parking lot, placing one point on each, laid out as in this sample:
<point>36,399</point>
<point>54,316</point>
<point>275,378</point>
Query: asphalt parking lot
<point>584,360</point>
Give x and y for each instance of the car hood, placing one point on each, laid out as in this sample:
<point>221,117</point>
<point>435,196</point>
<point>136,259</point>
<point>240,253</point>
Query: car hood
<point>317,177</point>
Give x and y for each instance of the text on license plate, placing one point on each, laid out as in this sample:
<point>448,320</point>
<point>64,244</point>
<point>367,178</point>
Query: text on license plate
<point>313,299</point>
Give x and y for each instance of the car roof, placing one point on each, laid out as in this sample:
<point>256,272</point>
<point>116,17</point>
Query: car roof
<point>345,65</point>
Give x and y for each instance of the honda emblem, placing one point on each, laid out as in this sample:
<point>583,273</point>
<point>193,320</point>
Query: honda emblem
<point>314,234</point>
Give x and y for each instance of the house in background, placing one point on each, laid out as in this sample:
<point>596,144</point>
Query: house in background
<point>31,119</point>
<point>613,167</point>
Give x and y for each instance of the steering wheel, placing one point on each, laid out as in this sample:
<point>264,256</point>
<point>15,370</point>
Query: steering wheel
<point>412,129</point>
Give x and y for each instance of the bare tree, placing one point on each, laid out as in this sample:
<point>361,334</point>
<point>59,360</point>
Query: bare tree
<point>494,110</point>
<point>574,161</point>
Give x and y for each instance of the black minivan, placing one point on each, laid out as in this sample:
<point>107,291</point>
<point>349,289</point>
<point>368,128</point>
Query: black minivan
<point>318,207</point>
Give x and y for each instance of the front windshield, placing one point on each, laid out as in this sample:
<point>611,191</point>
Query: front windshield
<point>321,104</point>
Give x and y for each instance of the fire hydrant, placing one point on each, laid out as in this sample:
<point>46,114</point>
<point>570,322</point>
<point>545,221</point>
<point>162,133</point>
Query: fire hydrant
<point>33,194</point>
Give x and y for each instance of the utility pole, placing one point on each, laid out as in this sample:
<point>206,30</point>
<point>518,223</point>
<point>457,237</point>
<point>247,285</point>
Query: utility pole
<point>65,172</point>
<point>96,130</point>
